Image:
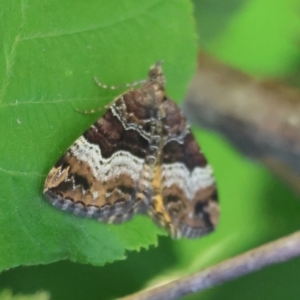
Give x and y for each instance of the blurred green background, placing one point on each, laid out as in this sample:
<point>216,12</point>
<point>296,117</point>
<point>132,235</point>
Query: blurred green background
<point>260,37</point>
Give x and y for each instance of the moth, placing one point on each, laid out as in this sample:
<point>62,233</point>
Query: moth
<point>140,157</point>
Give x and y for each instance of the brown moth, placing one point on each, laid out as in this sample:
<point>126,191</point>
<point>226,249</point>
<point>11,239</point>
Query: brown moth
<point>140,157</point>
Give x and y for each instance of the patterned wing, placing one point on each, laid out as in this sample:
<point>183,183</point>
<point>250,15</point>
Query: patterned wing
<point>185,197</point>
<point>100,173</point>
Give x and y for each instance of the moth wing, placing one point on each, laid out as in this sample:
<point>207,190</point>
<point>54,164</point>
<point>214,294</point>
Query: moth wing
<point>98,175</point>
<point>185,198</point>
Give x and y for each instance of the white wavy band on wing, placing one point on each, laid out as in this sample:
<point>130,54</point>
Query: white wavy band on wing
<point>121,162</point>
<point>189,182</point>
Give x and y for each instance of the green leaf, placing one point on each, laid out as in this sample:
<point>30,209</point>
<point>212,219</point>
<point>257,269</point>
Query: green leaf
<point>52,51</point>
<point>7,295</point>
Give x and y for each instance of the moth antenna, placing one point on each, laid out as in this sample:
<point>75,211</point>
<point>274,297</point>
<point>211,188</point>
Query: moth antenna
<point>89,112</point>
<point>117,87</point>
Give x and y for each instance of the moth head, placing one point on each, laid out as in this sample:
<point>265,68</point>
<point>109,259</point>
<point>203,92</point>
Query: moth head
<point>156,74</point>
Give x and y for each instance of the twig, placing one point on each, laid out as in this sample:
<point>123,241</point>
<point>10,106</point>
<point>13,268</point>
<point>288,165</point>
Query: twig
<point>275,252</point>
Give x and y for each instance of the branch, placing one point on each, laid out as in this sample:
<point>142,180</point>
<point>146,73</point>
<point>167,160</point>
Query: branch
<point>262,119</point>
<point>279,251</point>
